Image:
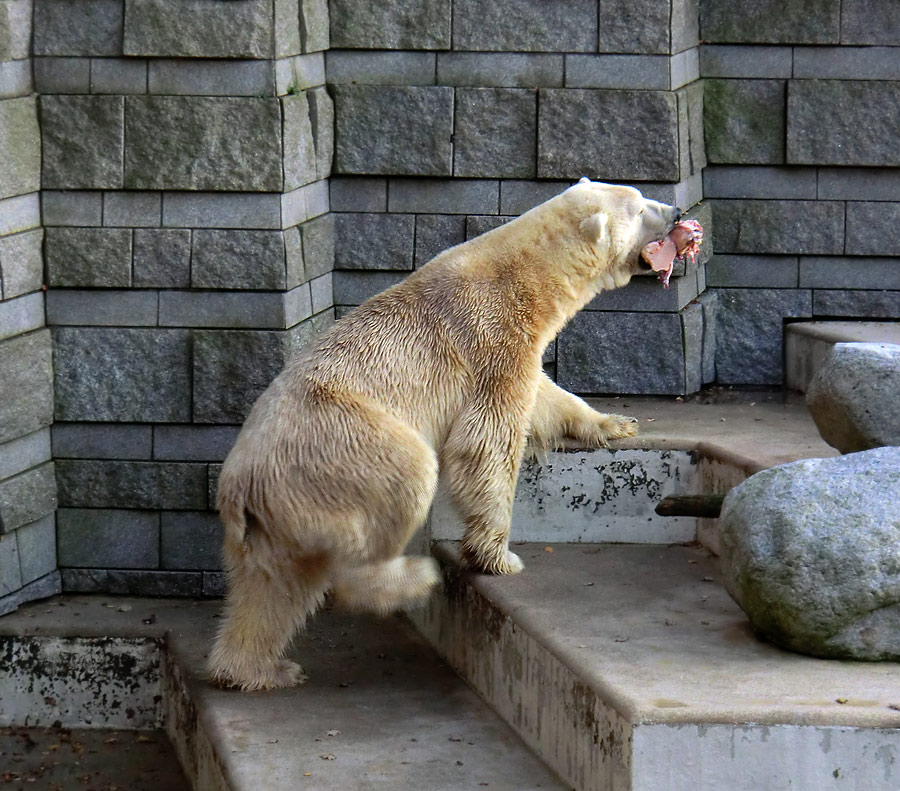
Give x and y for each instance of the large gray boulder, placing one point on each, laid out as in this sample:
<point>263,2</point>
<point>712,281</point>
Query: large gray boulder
<point>811,552</point>
<point>854,398</point>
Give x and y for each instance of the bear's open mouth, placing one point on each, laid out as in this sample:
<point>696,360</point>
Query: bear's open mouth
<point>684,239</point>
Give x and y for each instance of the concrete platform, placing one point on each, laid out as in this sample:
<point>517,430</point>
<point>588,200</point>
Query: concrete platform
<point>807,343</point>
<point>629,667</point>
<point>380,711</point>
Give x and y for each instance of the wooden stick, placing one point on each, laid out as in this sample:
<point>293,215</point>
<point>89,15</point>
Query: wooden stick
<point>707,506</point>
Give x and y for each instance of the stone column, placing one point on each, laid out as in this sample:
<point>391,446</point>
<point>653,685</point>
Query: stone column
<point>187,148</point>
<point>27,484</point>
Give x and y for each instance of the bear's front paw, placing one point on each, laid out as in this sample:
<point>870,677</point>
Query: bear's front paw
<point>606,427</point>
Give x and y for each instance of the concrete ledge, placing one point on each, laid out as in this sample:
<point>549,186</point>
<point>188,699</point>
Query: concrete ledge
<point>600,656</point>
<point>808,343</point>
<point>388,712</point>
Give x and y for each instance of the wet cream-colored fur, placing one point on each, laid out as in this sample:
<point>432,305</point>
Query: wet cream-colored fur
<point>337,464</point>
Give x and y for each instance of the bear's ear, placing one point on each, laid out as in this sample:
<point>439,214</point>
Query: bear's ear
<point>596,227</point>
<point>584,180</point>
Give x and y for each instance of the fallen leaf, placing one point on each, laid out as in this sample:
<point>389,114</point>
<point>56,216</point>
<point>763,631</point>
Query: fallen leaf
<point>548,549</point>
<point>333,733</point>
<point>894,706</point>
<point>588,584</point>
<point>307,774</point>
<point>328,757</point>
<point>125,608</point>
<point>144,739</point>
<point>842,701</point>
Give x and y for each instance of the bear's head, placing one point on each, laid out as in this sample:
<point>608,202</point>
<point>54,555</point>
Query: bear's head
<point>617,222</point>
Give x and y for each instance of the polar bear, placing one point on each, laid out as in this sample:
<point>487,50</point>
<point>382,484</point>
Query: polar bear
<point>338,461</point>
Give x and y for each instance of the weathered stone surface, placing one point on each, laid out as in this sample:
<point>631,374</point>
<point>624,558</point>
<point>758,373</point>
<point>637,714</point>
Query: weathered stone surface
<point>203,143</point>
<point>753,271</point>
<point>314,25</point>
<point>500,69</point>
<point>10,570</point>
<point>859,304</point>
<point>82,139</point>
<point>617,135</point>
<point>100,538</point>
<point>37,548</point>
<point>299,144</point>
<point>691,143</point>
<point>98,257</point>
<point>386,130</point>
<point>15,29</point>
<point>402,24</point>
<point>871,227</point>
<point>26,386</point>
<point>231,369</point>
<point>101,441</point>
<point>125,582</point>
<point>526,26</point>
<point>21,263</point>
<point>318,245</point>
<point>746,62</point>
<point>321,116</point>
<point>78,27</point>
<point>597,353</point>
<point>193,443</point>
<point>122,374</point>
<point>27,497</point>
<point>778,226</point>
<point>199,28</point>
<point>709,301</point>
<point>130,484</point>
<point>749,332</point>
<point>20,147</point>
<point>744,121</point>
<point>191,541</point>
<point>640,27</point>
<point>437,232</point>
<point>238,260</point>
<point>853,396</point>
<point>354,288</point>
<point>477,225</point>
<point>809,551</point>
<point>23,453</point>
<point>843,140</point>
<point>162,259</point>
<point>770,22</point>
<point>495,132</point>
<point>374,241</point>
<point>869,22</point>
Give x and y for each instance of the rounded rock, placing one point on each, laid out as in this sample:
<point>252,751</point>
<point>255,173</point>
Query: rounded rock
<point>854,398</point>
<point>809,550</point>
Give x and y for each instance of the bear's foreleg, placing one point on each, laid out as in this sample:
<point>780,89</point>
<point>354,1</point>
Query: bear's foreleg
<point>558,415</point>
<point>480,461</point>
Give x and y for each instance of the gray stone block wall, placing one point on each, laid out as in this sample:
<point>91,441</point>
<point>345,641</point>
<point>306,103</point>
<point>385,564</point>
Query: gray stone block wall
<point>188,251</point>
<point>168,179</point>
<point>28,494</point>
<point>802,103</point>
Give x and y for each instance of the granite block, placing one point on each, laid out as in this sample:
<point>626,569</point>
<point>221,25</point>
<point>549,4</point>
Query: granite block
<point>389,130</point>
<point>495,133</point>
<point>105,538</point>
<point>112,374</point>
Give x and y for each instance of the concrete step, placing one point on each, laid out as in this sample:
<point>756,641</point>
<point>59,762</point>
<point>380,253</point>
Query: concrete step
<point>380,711</point>
<point>684,447</point>
<point>807,343</point>
<point>630,668</point>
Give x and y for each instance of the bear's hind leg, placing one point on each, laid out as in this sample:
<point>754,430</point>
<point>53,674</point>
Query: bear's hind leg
<point>266,603</point>
<point>386,586</point>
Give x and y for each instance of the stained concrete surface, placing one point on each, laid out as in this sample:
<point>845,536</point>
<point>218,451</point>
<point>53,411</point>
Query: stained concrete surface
<point>380,711</point>
<point>746,429</point>
<point>653,629</point>
<point>60,759</point>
